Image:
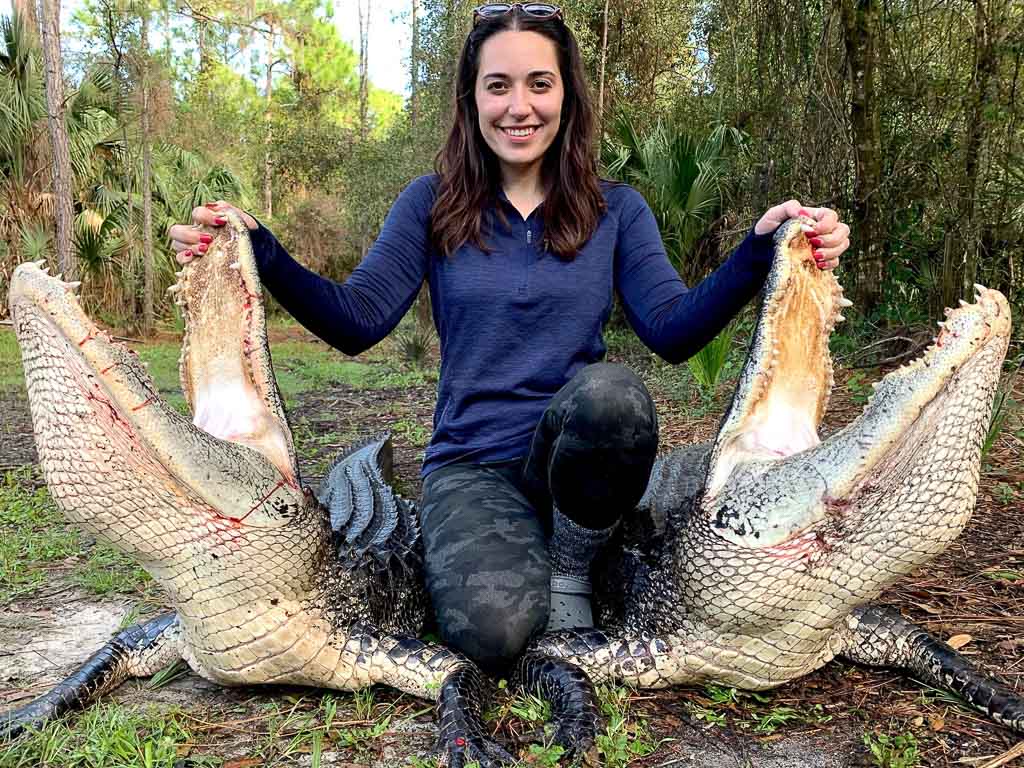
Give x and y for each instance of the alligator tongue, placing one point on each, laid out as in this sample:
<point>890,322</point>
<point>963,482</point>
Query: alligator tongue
<point>226,371</point>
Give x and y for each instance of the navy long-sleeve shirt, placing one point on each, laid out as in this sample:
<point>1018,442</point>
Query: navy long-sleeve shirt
<point>515,324</point>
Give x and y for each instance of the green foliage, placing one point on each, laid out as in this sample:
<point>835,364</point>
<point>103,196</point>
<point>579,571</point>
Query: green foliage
<point>709,365</point>
<point>105,736</point>
<point>679,175</point>
<point>892,750</point>
<point>624,739</point>
<point>11,375</point>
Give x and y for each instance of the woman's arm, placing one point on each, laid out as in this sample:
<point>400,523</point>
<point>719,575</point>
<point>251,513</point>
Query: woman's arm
<point>672,320</point>
<point>354,315</point>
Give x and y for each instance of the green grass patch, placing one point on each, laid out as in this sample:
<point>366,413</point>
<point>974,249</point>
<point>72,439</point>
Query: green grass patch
<point>34,535</point>
<point>11,375</point>
<point>107,736</point>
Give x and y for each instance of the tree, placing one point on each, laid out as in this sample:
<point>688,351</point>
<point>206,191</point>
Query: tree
<point>61,162</point>
<point>147,174</point>
<point>860,33</point>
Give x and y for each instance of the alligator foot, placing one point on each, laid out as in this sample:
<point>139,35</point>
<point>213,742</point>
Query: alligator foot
<point>139,651</point>
<point>462,740</point>
<point>881,637</point>
<point>573,702</point>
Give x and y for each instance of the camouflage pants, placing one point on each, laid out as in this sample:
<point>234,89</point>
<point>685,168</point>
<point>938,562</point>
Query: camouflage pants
<point>486,526</point>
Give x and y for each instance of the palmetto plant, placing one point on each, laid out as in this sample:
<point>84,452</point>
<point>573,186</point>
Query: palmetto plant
<point>678,174</point>
<point>102,130</point>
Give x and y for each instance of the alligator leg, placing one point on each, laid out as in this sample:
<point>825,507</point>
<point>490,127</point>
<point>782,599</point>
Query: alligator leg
<point>429,671</point>
<point>880,636</point>
<point>572,697</point>
<point>139,651</point>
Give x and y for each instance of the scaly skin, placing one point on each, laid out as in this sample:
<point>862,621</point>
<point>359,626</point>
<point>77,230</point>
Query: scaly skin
<point>771,540</point>
<point>215,511</point>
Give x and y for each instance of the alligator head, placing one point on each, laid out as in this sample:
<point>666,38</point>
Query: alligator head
<point>199,502</point>
<point>823,525</point>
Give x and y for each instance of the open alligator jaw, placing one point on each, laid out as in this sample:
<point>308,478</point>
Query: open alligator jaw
<point>783,389</point>
<point>769,478</point>
<point>226,371</point>
<point>247,472</point>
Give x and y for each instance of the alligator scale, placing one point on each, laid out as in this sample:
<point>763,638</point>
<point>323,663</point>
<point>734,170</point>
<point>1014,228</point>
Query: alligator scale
<point>755,562</point>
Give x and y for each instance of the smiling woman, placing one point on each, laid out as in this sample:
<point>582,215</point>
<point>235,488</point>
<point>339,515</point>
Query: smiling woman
<point>538,448</point>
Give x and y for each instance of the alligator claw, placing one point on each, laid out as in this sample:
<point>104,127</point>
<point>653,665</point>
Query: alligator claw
<point>473,750</point>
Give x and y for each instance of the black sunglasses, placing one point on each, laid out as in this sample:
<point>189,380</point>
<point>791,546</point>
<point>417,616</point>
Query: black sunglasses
<point>539,11</point>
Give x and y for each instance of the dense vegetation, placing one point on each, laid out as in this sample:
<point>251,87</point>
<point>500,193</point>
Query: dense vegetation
<point>905,115</point>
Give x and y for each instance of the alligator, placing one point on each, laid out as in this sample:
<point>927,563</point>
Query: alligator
<point>750,561</point>
<point>754,559</point>
<point>268,582</point>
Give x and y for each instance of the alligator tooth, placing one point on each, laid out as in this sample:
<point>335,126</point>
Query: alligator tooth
<point>40,263</point>
<point>179,274</point>
<point>74,285</point>
<point>844,302</point>
<point>964,303</point>
<point>45,269</point>
<point>840,318</point>
<point>59,276</point>
<point>941,324</point>
<point>174,288</point>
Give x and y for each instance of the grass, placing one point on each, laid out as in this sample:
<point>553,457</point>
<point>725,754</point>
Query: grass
<point>107,736</point>
<point>33,536</point>
<point>752,710</point>
<point>11,376</point>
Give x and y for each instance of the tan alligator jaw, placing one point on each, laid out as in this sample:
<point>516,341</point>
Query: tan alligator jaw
<point>226,373</point>
<point>774,416</point>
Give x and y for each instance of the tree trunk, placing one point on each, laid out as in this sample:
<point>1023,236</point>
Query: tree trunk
<point>364,50</point>
<point>268,163</point>
<point>147,196</point>
<point>604,61</point>
<point>414,105</point>
<point>979,98</point>
<point>860,20</point>
<point>63,208</point>
<point>26,10</point>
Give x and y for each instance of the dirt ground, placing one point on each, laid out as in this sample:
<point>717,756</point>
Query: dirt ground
<point>43,636</point>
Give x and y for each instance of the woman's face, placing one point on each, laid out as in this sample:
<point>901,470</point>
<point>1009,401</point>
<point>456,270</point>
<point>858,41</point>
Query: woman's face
<point>519,98</point>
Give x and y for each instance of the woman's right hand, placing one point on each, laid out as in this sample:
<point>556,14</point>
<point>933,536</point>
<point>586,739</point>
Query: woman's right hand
<point>189,241</point>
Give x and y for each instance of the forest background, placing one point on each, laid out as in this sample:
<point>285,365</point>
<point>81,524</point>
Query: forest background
<point>904,115</point>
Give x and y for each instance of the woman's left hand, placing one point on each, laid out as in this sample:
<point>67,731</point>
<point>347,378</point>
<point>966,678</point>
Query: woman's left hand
<point>829,236</point>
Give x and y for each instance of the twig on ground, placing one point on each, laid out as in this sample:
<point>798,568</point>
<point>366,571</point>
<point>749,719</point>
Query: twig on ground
<point>1009,755</point>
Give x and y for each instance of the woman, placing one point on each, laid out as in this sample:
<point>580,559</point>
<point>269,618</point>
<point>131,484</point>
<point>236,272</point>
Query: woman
<point>538,448</point>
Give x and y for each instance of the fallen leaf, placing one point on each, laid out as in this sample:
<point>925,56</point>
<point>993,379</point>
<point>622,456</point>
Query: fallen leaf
<point>918,721</point>
<point>1012,645</point>
<point>245,762</point>
<point>956,642</point>
<point>936,723</point>
<point>932,609</point>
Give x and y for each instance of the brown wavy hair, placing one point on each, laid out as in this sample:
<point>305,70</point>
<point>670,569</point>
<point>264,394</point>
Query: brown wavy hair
<point>470,176</point>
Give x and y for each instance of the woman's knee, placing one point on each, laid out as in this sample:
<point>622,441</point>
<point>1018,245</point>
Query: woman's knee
<point>611,400</point>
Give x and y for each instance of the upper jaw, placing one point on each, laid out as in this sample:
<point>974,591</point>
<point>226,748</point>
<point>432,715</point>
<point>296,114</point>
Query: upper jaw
<point>771,478</point>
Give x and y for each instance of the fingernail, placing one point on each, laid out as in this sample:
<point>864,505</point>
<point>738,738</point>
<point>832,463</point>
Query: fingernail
<point>805,212</point>
<point>213,206</point>
<point>816,241</point>
<point>186,254</point>
<point>219,222</point>
<point>206,238</point>
<point>202,247</point>
<point>818,256</point>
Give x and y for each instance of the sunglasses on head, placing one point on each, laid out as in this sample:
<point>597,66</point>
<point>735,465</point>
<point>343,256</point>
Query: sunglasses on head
<point>539,11</point>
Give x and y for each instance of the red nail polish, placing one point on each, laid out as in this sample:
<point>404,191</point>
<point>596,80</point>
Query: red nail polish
<point>219,222</point>
<point>818,256</point>
<point>212,206</point>
<point>816,241</point>
<point>206,238</point>
<point>186,254</point>
<point>805,212</point>
<point>202,247</point>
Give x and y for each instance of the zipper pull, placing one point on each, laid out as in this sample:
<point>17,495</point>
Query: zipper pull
<point>529,236</point>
